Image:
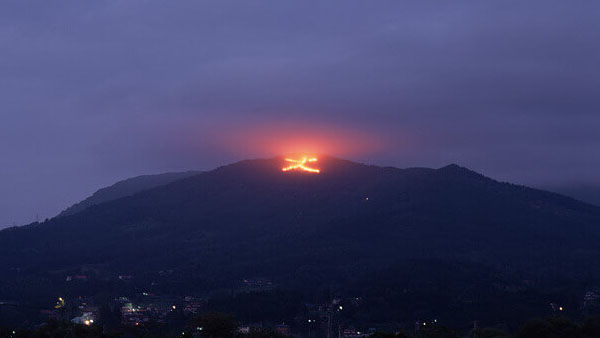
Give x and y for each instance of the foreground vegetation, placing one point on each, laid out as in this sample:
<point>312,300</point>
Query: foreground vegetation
<point>218,325</point>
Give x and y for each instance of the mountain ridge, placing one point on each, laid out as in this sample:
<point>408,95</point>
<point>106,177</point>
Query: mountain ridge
<point>126,187</point>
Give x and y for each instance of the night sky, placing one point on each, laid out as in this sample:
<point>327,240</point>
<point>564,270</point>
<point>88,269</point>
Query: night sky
<point>94,92</point>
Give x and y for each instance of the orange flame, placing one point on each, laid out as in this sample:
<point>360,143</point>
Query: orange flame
<point>300,164</point>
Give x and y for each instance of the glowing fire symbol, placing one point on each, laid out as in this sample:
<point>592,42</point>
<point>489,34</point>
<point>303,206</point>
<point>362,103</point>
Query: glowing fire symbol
<point>300,164</point>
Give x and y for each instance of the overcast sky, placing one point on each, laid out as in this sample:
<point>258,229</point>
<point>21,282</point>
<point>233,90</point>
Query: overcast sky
<point>96,91</point>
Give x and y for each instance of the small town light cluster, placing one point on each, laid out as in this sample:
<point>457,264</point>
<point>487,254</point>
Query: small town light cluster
<point>60,303</point>
<point>301,164</point>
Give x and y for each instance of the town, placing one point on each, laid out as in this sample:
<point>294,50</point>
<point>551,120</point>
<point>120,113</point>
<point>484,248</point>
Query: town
<point>145,312</point>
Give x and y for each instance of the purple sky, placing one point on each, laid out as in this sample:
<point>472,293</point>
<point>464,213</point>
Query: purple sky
<point>96,91</point>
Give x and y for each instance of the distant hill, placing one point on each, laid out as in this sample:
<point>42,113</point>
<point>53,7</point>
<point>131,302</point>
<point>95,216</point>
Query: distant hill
<point>471,241</point>
<point>586,193</point>
<point>125,188</point>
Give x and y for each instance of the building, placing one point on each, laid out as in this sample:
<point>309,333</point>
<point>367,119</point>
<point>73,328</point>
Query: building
<point>283,329</point>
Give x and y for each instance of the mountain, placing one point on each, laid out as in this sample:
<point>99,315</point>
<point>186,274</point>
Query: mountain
<point>125,188</point>
<point>448,232</point>
<point>587,193</point>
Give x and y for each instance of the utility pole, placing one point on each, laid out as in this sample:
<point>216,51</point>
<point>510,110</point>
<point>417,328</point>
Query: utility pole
<point>329,323</point>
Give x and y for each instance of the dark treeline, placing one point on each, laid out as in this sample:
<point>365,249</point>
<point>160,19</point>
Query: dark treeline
<point>220,325</point>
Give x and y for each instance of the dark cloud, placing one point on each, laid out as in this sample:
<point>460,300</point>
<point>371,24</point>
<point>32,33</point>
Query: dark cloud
<point>93,92</point>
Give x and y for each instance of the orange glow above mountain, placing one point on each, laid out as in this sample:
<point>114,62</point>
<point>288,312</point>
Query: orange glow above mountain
<point>274,139</point>
<point>301,164</point>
